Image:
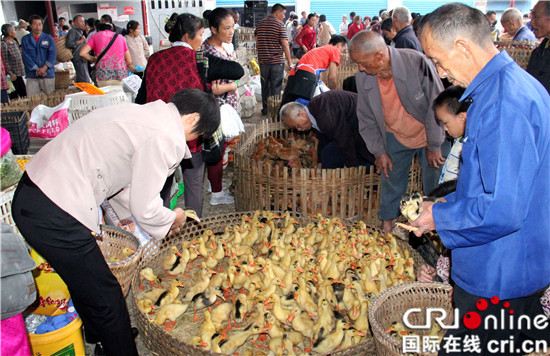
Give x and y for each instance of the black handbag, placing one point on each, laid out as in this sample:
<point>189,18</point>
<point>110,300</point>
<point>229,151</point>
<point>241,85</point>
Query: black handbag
<point>302,84</point>
<point>212,147</point>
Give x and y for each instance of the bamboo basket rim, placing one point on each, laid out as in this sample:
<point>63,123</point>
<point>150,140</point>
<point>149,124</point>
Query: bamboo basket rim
<point>385,342</point>
<point>155,336</point>
<point>124,270</point>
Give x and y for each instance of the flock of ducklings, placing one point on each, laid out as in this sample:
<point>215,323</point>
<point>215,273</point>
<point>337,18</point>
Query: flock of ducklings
<point>286,288</point>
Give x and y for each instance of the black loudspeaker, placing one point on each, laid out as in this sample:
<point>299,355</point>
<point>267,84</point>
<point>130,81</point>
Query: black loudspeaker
<point>255,6</point>
<point>251,19</point>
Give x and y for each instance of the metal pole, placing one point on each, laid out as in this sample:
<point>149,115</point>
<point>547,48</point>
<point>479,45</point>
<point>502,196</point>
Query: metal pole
<point>144,14</point>
<point>49,13</point>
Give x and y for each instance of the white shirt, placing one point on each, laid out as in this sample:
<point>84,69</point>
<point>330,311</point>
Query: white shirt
<point>344,28</point>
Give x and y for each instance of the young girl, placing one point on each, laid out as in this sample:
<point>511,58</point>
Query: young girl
<point>452,113</point>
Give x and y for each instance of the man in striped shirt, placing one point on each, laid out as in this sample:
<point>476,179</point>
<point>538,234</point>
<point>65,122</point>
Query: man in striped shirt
<point>271,43</point>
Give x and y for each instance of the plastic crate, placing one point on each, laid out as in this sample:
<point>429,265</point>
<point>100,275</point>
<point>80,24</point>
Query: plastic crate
<point>16,123</point>
<point>82,103</point>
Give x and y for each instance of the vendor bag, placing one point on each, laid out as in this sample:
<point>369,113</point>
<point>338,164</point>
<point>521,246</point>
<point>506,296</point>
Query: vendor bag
<point>212,147</point>
<point>302,84</point>
<point>17,284</point>
<point>63,53</point>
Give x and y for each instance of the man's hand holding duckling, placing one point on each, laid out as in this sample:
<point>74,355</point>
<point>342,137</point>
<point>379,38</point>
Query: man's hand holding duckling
<point>179,221</point>
<point>424,222</point>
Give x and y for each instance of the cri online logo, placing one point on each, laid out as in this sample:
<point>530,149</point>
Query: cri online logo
<point>472,320</point>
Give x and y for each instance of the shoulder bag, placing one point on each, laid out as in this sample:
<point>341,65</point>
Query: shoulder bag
<point>93,71</point>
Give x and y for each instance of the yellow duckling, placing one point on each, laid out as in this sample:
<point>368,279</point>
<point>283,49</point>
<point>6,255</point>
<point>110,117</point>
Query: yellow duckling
<point>180,264</point>
<point>201,281</point>
<point>278,311</point>
<point>145,305</point>
<point>170,260</point>
<point>205,299</point>
<point>327,343</point>
<point>274,326</point>
<point>301,322</point>
<point>325,322</point>
<point>124,255</point>
<point>243,305</point>
<point>148,274</point>
<point>233,342</point>
<point>362,322</point>
<point>207,329</point>
<point>169,312</point>
<point>351,337</point>
<point>197,342</point>
<point>160,296</point>
<point>304,299</point>
<point>220,314</point>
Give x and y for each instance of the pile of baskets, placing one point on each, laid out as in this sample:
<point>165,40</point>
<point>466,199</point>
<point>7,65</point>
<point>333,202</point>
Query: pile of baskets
<point>344,192</point>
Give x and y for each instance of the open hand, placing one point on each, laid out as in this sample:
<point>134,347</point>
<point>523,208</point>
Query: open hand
<point>435,159</point>
<point>383,163</point>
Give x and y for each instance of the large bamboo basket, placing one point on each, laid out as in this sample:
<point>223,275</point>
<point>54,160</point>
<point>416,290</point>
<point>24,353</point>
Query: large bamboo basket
<point>29,103</point>
<point>163,343</point>
<point>344,192</point>
<point>391,304</point>
<point>520,51</point>
<point>113,240</point>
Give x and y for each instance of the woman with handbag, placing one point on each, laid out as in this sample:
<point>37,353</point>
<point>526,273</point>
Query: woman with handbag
<point>222,26</point>
<point>114,59</point>
<point>307,38</point>
<point>167,72</point>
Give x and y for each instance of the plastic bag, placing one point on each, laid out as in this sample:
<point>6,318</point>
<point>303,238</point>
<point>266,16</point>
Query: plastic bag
<point>53,295</point>
<point>232,124</point>
<point>49,122</point>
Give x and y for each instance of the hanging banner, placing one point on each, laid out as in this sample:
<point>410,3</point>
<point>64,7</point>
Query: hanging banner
<point>128,10</point>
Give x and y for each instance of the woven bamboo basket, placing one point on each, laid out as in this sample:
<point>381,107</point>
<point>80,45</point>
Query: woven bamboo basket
<point>163,343</point>
<point>62,79</point>
<point>520,51</point>
<point>391,304</point>
<point>345,192</point>
<point>114,240</point>
<point>29,103</point>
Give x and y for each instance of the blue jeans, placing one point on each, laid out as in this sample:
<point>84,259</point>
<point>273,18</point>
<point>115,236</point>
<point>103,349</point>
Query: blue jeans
<point>271,76</point>
<point>395,186</point>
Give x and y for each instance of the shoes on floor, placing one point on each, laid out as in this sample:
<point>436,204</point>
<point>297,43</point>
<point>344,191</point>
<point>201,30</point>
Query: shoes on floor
<point>221,198</point>
<point>224,187</point>
<point>98,351</point>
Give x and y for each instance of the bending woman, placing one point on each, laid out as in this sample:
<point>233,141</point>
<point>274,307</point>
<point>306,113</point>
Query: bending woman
<point>121,154</point>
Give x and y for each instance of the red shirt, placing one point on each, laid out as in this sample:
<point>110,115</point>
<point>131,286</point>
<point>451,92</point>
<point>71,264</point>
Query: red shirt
<point>318,59</point>
<point>306,37</point>
<point>169,71</point>
<point>353,29</point>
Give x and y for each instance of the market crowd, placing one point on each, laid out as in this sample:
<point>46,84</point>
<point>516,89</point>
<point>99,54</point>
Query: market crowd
<point>432,86</point>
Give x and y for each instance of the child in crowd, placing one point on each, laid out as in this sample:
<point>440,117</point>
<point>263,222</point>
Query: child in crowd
<point>452,114</point>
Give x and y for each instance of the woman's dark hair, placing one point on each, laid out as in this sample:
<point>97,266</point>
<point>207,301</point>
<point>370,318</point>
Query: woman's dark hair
<point>295,23</point>
<point>449,99</point>
<point>91,22</point>
<point>6,29</point>
<point>335,39</point>
<point>217,15</point>
<point>104,26</point>
<point>387,24</point>
<point>189,101</point>
<point>107,18</point>
<point>323,18</point>
<point>66,27</point>
<point>310,16</point>
<point>132,25</point>
<point>179,25</point>
<point>375,18</point>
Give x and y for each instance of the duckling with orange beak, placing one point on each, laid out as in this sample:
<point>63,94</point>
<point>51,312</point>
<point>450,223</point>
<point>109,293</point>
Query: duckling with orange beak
<point>148,274</point>
<point>171,260</point>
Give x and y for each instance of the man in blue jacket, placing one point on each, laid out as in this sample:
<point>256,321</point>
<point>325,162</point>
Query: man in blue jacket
<point>497,223</point>
<point>39,58</point>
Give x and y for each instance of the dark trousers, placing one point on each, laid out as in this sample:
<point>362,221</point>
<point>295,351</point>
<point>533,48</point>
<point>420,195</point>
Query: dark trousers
<point>215,173</point>
<point>72,251</point>
<point>20,89</point>
<point>193,175</point>
<point>490,344</point>
<point>271,80</point>
<point>332,157</point>
<point>4,98</point>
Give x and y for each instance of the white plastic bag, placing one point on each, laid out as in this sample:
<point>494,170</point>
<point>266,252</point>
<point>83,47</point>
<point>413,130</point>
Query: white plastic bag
<point>48,122</point>
<point>231,122</point>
